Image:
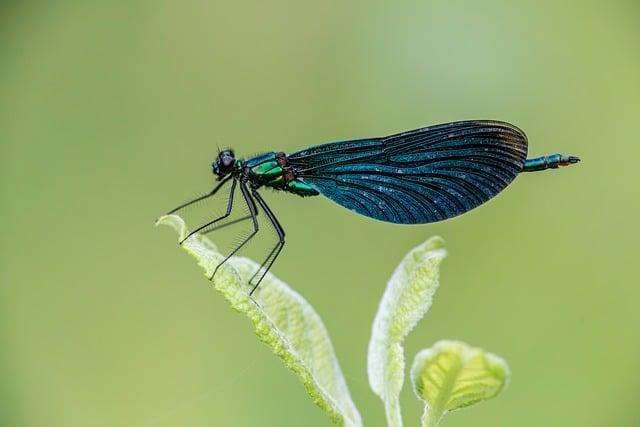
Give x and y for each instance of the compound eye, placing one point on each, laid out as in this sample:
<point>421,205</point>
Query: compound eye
<point>227,160</point>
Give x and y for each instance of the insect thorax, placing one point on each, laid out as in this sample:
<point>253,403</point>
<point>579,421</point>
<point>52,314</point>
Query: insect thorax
<point>272,170</point>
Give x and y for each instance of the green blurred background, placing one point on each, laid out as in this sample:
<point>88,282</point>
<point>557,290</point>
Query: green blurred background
<point>110,113</point>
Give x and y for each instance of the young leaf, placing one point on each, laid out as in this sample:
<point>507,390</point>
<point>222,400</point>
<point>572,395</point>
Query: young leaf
<point>283,320</point>
<point>406,299</point>
<point>451,375</point>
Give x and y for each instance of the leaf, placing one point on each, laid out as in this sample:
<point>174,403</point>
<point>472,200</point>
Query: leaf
<point>406,300</point>
<point>283,320</point>
<point>452,375</point>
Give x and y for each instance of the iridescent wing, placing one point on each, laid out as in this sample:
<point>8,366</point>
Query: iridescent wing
<point>416,177</point>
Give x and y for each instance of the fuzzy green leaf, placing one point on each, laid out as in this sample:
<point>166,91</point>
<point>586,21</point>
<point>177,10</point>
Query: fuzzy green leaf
<point>283,320</point>
<point>406,300</point>
<point>452,375</point>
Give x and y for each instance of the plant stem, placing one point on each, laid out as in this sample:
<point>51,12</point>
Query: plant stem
<point>392,411</point>
<point>431,418</point>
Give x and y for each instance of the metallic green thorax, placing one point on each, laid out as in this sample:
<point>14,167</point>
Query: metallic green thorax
<point>271,170</point>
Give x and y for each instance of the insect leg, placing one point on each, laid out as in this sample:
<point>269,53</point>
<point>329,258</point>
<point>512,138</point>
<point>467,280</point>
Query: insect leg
<point>254,216</point>
<point>271,258</point>
<point>226,214</point>
<point>267,259</point>
<point>209,194</point>
<point>235,221</point>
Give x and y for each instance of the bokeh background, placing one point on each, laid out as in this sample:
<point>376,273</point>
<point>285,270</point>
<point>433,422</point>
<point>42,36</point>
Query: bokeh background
<point>110,114</point>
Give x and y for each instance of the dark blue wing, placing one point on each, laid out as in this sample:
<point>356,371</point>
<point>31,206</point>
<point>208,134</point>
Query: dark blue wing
<point>424,175</point>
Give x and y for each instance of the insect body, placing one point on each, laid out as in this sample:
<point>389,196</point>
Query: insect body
<point>272,170</point>
<point>416,177</point>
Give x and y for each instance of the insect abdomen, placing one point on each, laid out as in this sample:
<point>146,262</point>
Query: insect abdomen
<point>551,161</point>
<point>301,188</point>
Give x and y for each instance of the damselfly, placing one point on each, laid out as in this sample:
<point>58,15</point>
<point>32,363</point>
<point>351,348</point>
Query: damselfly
<point>415,177</point>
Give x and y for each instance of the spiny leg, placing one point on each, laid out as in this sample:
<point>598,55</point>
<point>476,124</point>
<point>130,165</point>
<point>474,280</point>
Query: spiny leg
<point>226,214</point>
<point>276,250</point>
<point>270,259</point>
<point>209,194</point>
<point>273,250</point>
<point>254,214</point>
<point>267,260</point>
<point>226,224</point>
<point>235,221</point>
